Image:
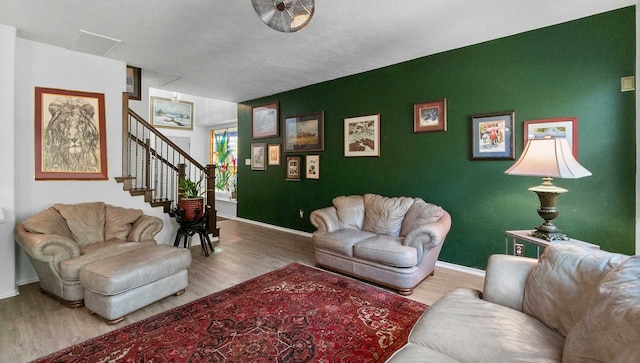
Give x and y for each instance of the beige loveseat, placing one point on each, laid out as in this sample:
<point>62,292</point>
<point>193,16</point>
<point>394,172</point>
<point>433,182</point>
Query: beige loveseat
<point>573,305</point>
<point>393,242</point>
<point>64,238</point>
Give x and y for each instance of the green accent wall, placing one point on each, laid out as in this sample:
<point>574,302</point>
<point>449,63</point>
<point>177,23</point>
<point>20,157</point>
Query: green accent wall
<point>570,69</point>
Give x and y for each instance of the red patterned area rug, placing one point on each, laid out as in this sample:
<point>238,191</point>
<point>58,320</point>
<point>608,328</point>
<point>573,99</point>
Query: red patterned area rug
<point>294,314</point>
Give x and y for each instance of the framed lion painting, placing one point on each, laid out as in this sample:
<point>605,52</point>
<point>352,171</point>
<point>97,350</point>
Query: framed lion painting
<point>70,135</point>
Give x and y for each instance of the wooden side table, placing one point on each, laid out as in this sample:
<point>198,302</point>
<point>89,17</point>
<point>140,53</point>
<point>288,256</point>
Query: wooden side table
<point>525,236</point>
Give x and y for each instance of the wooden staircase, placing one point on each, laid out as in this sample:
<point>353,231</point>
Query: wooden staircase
<point>152,165</point>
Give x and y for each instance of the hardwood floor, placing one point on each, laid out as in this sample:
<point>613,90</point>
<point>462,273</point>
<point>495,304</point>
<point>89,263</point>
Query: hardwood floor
<point>33,325</point>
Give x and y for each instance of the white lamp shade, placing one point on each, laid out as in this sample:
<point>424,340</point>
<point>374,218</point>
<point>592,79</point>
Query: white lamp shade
<point>548,158</point>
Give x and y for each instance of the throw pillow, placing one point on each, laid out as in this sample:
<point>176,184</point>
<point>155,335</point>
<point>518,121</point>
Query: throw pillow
<point>85,220</point>
<point>384,215</point>
<point>350,211</point>
<point>559,287</point>
<point>118,222</point>
<point>48,221</point>
<point>610,329</point>
<point>420,214</point>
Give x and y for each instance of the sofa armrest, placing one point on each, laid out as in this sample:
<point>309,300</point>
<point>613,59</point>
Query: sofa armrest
<point>505,279</point>
<point>145,228</point>
<point>325,219</point>
<point>46,247</point>
<point>429,236</point>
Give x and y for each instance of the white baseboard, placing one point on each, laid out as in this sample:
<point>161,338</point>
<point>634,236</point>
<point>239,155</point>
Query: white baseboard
<point>447,265</point>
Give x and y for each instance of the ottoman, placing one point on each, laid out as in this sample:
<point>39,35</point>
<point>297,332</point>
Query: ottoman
<point>119,285</point>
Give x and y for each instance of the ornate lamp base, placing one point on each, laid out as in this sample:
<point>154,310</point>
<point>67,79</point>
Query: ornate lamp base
<point>548,195</point>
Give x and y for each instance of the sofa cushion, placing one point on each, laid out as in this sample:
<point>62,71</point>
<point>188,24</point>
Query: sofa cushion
<point>419,214</point>
<point>384,215</point>
<point>559,287</point>
<point>85,220</point>
<point>118,222</point>
<point>70,269</point>
<point>610,328</point>
<point>350,211</point>
<point>48,221</point>
<point>414,353</point>
<point>340,241</point>
<point>387,251</point>
<point>466,328</point>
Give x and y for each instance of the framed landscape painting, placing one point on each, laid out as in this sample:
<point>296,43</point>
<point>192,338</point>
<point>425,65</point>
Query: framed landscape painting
<point>566,128</point>
<point>492,136</point>
<point>362,136</point>
<point>304,133</point>
<point>70,135</point>
<point>430,116</point>
<point>264,121</point>
<point>171,114</point>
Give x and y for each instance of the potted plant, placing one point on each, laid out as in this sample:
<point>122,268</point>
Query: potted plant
<point>192,200</point>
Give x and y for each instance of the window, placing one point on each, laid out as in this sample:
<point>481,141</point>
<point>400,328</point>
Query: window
<point>223,153</point>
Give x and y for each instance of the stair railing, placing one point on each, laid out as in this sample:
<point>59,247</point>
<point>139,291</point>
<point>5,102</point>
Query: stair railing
<point>152,165</point>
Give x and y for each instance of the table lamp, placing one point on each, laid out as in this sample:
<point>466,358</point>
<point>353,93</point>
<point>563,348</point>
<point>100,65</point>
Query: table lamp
<point>548,158</point>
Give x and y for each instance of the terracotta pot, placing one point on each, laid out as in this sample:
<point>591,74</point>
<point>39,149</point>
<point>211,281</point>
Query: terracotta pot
<point>189,205</point>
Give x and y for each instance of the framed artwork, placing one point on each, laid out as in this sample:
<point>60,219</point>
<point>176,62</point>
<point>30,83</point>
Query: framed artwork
<point>430,116</point>
<point>492,136</point>
<point>274,154</point>
<point>264,121</point>
<point>258,156</point>
<point>304,133</point>
<point>171,114</point>
<point>313,167</point>
<point>294,168</point>
<point>70,135</point>
<point>566,127</point>
<point>134,81</point>
<point>362,136</point>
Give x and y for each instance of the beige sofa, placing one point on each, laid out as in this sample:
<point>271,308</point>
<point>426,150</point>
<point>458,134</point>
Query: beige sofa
<point>64,238</point>
<point>393,242</point>
<point>573,305</point>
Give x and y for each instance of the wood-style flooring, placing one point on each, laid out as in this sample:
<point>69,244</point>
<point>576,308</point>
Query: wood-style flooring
<point>33,325</point>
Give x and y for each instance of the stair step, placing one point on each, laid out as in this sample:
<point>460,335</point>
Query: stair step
<point>165,204</point>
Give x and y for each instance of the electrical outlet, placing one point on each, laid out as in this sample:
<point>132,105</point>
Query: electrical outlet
<point>518,249</point>
<point>301,213</point>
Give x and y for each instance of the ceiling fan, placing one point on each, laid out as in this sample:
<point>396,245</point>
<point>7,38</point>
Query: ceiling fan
<point>285,16</point>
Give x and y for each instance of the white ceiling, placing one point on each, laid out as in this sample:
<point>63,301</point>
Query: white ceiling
<point>222,50</point>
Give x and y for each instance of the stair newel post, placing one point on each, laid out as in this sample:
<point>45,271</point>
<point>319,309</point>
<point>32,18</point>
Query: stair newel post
<point>181,175</point>
<point>125,135</point>
<point>212,226</point>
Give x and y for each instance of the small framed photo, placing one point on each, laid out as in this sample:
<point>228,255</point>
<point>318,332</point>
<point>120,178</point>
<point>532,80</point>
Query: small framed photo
<point>274,154</point>
<point>304,133</point>
<point>258,156</point>
<point>294,168</point>
<point>264,121</point>
<point>134,81</point>
<point>171,114</point>
<point>492,136</point>
<point>430,116</point>
<point>362,136</point>
<point>313,167</point>
<point>566,127</point>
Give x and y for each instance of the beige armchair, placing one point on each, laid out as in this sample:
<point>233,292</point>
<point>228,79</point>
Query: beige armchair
<point>394,242</point>
<point>64,238</point>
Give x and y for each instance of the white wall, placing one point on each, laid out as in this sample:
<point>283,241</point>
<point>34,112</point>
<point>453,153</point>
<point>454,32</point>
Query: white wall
<point>7,164</point>
<point>39,65</point>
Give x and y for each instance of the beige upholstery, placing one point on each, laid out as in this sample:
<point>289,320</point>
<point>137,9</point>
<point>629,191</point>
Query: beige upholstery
<point>394,242</point>
<point>64,238</point>
<point>574,304</point>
